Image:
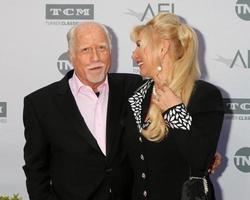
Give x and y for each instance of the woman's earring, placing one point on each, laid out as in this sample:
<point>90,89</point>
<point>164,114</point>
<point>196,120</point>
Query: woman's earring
<point>159,68</point>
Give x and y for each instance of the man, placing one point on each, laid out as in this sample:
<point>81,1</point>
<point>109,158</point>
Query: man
<point>73,128</point>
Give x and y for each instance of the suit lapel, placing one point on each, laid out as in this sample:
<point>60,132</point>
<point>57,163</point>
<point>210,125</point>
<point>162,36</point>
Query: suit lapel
<point>66,103</point>
<point>140,102</point>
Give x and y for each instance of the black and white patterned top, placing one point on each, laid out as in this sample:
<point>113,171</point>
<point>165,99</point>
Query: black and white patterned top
<point>136,101</point>
<point>176,117</point>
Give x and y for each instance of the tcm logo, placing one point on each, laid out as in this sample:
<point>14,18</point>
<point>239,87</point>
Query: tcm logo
<point>150,11</point>
<point>3,109</point>
<point>237,106</point>
<point>63,64</point>
<point>242,9</point>
<point>69,11</point>
<point>242,159</point>
<point>239,60</point>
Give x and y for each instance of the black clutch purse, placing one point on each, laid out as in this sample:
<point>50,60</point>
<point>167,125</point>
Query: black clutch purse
<point>195,188</point>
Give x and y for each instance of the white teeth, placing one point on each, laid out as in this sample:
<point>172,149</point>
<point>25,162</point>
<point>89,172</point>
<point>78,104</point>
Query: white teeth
<point>140,63</point>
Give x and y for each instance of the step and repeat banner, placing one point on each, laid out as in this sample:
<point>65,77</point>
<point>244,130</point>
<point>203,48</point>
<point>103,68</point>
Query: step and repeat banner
<point>33,54</point>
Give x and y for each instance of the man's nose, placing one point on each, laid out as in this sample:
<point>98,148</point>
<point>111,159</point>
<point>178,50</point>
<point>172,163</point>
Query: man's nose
<point>95,55</point>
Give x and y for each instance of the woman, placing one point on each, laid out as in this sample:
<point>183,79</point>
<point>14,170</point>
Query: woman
<point>174,119</point>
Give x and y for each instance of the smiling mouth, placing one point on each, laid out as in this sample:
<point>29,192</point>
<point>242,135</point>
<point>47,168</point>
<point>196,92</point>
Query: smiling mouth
<point>140,63</point>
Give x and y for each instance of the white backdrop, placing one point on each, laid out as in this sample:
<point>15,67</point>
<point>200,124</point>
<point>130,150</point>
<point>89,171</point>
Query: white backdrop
<point>33,43</point>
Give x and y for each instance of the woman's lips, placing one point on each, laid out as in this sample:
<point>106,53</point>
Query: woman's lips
<point>140,63</point>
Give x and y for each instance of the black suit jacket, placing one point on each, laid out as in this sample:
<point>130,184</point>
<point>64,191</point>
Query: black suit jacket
<point>62,159</point>
<point>160,168</point>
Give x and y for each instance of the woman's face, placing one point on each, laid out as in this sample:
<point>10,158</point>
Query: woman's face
<point>145,59</point>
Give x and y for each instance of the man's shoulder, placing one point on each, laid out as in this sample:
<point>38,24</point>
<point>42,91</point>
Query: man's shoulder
<point>127,83</point>
<point>129,80</point>
<point>52,88</point>
<point>125,76</point>
<point>45,91</point>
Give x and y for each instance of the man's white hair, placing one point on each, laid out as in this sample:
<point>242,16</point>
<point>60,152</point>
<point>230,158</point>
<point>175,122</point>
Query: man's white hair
<point>71,34</point>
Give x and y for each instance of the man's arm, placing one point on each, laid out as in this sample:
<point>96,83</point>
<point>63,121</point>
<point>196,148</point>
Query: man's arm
<point>215,164</point>
<point>36,156</point>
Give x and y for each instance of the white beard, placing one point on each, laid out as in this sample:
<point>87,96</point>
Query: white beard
<point>96,78</point>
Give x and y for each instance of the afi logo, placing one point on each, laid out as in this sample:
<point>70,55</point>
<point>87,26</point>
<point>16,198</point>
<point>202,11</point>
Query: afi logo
<point>242,9</point>
<point>149,12</point>
<point>69,11</point>
<point>239,57</point>
<point>242,159</point>
<point>238,60</point>
<point>162,7</point>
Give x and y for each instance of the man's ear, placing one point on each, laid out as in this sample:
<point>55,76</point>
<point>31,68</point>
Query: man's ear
<point>69,55</point>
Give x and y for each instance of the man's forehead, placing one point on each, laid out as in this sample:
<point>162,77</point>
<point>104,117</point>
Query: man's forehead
<point>90,39</point>
<point>90,27</point>
<point>91,35</point>
<point>91,44</point>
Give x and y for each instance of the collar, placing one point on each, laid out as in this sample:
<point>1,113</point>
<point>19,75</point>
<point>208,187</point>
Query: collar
<point>136,101</point>
<point>80,87</point>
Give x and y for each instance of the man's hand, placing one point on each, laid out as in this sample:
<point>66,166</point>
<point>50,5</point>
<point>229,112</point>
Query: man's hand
<point>215,164</point>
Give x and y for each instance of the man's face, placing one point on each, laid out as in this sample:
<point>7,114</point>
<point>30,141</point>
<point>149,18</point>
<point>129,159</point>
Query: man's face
<point>91,57</point>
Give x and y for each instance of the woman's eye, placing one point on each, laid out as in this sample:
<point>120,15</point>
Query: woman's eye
<point>138,44</point>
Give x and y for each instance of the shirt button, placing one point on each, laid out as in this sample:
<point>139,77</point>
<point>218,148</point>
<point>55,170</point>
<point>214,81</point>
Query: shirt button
<point>140,139</point>
<point>145,193</point>
<point>143,175</point>
<point>142,157</point>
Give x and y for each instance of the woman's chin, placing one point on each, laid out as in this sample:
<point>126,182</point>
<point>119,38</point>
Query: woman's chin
<point>142,72</point>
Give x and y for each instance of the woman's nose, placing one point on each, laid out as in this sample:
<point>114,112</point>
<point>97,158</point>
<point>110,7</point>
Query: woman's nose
<point>134,55</point>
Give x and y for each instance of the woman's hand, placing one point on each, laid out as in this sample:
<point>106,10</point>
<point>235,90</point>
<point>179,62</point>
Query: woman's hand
<point>163,96</point>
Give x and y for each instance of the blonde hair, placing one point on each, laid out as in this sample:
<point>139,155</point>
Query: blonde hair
<point>185,70</point>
